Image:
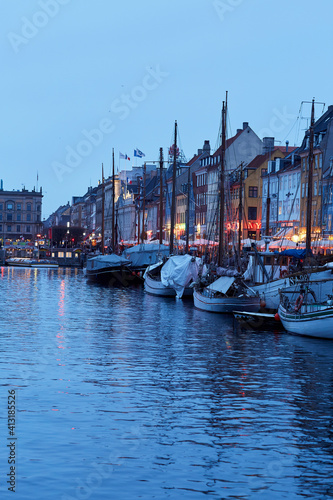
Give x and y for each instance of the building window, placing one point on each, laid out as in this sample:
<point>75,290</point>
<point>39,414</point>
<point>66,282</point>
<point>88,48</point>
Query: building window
<point>61,255</point>
<point>10,217</point>
<point>18,206</point>
<point>18,228</point>
<point>9,228</point>
<point>28,229</point>
<point>306,190</point>
<point>303,188</point>
<point>1,227</point>
<point>29,207</point>
<point>252,213</point>
<point>1,206</point>
<point>320,161</point>
<point>302,218</point>
<point>10,206</point>
<point>315,189</point>
<point>68,255</point>
<point>18,217</point>
<point>314,217</point>
<point>0,216</point>
<point>29,217</point>
<point>280,207</point>
<point>303,164</point>
<point>253,192</point>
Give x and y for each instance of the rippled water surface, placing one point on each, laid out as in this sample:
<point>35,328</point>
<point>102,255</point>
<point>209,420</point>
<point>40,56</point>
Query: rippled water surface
<point>121,395</point>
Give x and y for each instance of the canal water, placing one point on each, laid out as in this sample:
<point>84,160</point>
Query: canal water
<point>121,395</point>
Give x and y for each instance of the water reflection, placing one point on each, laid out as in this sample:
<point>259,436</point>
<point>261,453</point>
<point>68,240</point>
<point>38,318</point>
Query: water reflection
<point>157,398</point>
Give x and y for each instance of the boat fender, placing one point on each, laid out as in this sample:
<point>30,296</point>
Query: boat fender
<point>262,304</point>
<point>283,273</point>
<point>277,317</point>
<point>299,302</point>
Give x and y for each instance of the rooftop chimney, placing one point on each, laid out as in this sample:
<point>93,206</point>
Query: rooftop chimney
<point>287,144</point>
<point>206,148</point>
<point>245,125</point>
<point>268,144</point>
<point>239,130</point>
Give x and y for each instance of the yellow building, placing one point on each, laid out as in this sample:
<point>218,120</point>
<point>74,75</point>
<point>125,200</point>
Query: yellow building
<point>252,175</point>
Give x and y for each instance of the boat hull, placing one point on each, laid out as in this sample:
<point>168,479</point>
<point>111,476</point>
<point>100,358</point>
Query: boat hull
<point>225,305</point>
<point>113,277</point>
<point>315,323</point>
<point>156,287</point>
<point>27,262</point>
<point>258,321</point>
<point>321,283</point>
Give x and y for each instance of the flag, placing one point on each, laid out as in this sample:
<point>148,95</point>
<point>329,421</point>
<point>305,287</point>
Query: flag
<point>129,181</point>
<point>124,157</point>
<point>138,153</point>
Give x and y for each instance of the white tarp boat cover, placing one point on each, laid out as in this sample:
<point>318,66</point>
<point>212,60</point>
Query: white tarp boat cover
<point>106,261</point>
<point>146,254</point>
<point>179,271</point>
<point>222,284</point>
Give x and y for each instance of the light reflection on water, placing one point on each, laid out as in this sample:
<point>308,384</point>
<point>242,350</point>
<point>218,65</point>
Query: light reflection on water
<point>124,395</point>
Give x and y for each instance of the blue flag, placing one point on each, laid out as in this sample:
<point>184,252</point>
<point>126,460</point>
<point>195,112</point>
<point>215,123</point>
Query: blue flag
<point>138,153</point>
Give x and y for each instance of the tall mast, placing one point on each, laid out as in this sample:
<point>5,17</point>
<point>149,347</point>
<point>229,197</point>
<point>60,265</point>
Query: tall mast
<point>221,232</point>
<point>310,181</point>
<point>240,210</point>
<point>143,204</point>
<point>113,203</point>
<point>268,199</point>
<point>173,200</point>
<point>161,196</point>
<point>138,210</point>
<point>188,209</point>
<point>103,202</point>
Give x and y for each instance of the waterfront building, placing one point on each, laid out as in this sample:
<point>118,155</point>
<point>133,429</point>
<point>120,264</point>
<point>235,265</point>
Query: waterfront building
<point>187,190</point>
<point>275,188</point>
<point>322,209</point>
<point>20,214</point>
<point>241,148</point>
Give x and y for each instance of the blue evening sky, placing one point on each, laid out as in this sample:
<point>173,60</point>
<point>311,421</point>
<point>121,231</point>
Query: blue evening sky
<point>80,77</point>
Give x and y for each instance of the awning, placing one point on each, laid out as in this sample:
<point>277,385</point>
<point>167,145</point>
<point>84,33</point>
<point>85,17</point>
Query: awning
<point>222,284</point>
<point>284,232</point>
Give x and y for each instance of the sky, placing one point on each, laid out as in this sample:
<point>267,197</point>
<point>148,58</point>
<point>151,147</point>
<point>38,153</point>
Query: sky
<point>81,77</point>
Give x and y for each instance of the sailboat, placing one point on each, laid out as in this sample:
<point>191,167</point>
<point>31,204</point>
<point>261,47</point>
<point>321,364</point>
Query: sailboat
<point>226,293</point>
<point>301,313</point>
<point>267,277</point>
<point>108,268</point>
<point>172,276</point>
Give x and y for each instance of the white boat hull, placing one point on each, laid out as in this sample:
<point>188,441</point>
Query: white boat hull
<point>225,304</point>
<point>27,262</point>
<point>317,322</point>
<point>321,283</point>
<point>156,287</point>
